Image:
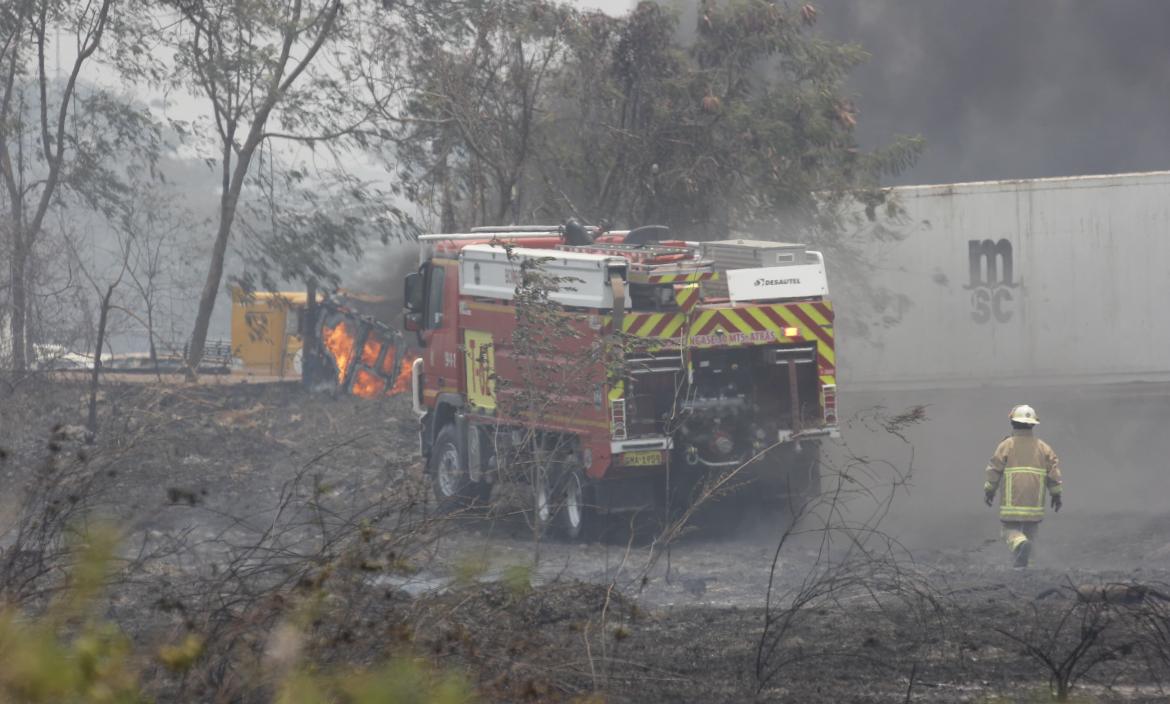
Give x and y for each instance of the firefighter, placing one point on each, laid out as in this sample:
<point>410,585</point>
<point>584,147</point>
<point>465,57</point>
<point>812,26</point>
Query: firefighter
<point>1025,466</point>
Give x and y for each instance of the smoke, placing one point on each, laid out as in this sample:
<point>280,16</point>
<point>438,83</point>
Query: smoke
<point>1110,440</point>
<point>1007,89</point>
<point>381,273</point>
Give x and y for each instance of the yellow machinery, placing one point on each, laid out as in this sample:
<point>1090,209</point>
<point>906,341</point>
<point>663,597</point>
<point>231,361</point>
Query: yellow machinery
<point>266,330</point>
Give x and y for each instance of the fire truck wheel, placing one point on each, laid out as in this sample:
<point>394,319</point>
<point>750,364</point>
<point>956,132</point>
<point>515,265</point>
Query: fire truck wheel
<point>452,485</point>
<point>804,473</point>
<point>576,517</point>
<point>542,505</point>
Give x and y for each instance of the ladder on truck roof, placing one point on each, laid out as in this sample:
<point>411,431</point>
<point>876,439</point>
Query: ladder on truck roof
<point>634,253</point>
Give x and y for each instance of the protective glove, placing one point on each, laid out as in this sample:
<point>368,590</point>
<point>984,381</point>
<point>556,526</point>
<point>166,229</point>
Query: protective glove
<point>1056,503</point>
<point>989,497</point>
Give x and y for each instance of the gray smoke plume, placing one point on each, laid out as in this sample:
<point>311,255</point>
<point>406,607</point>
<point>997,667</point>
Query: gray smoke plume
<point>1008,89</point>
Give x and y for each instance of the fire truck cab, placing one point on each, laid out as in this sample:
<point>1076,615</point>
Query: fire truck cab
<point>649,366</point>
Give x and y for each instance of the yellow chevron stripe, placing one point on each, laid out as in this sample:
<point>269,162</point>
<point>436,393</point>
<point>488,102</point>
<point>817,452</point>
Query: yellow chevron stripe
<point>764,321</point>
<point>734,319</point>
<point>825,345</point>
<point>827,352</point>
<point>672,328</point>
<point>811,311</point>
<point>794,322</point>
<point>828,380</point>
<point>677,278</point>
<point>700,320</point>
<point>686,296</point>
<point>616,391</point>
<point>651,321</point>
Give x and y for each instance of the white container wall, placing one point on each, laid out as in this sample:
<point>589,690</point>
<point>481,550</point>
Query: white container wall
<point>1044,281</point>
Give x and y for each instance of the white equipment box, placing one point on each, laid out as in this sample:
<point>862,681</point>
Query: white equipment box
<point>777,283</point>
<point>751,254</point>
<point>487,271</point>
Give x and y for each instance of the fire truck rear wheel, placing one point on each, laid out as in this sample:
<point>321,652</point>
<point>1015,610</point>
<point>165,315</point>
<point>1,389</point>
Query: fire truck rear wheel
<point>576,516</point>
<point>804,472</point>
<point>542,502</point>
<point>449,478</point>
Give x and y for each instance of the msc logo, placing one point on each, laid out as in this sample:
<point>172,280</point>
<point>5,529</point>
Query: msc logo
<point>991,280</point>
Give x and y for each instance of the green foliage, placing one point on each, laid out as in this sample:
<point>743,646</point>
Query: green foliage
<point>518,579</point>
<point>400,682</point>
<point>470,568</point>
<point>68,655</point>
<point>300,228</point>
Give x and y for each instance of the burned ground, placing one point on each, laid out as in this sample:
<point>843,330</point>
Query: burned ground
<point>204,470</point>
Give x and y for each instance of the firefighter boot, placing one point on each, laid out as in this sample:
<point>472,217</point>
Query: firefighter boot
<point>1023,551</point>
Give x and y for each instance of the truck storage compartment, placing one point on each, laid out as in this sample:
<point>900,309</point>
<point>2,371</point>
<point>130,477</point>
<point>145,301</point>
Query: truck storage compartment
<point>748,254</point>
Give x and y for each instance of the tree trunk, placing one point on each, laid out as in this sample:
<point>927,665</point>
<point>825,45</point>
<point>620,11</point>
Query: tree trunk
<point>309,333</point>
<point>91,423</point>
<point>227,215</point>
<point>150,338</point>
<point>447,207</point>
<point>207,297</point>
<point>16,323</point>
<point>504,207</point>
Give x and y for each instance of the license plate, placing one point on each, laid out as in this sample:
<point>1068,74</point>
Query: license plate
<point>645,458</point>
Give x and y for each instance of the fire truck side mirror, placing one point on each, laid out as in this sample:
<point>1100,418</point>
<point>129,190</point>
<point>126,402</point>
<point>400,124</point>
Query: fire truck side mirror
<point>413,302</point>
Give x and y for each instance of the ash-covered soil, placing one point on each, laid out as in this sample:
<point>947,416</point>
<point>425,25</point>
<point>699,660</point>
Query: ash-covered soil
<point>212,467</point>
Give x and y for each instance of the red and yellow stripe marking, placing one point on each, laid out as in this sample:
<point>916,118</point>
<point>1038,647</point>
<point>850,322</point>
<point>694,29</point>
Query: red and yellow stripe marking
<point>779,322</point>
<point>681,277</point>
<point>653,325</point>
<point>686,296</point>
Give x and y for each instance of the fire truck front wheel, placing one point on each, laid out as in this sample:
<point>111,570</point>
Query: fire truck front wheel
<point>576,517</point>
<point>452,485</point>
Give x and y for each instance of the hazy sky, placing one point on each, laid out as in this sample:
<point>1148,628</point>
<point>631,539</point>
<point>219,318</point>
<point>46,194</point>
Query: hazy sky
<point>1008,88</point>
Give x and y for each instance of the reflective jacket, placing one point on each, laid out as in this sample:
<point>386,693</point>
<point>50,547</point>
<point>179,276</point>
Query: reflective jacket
<point>1027,466</point>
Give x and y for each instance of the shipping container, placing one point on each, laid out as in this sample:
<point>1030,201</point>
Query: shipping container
<point>1016,283</point>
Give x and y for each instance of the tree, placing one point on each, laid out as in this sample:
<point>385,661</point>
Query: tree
<point>480,89</point>
<point>254,63</point>
<point>743,124</point>
<point>739,123</point>
<point>59,136</point>
<point>299,224</point>
<point>151,228</point>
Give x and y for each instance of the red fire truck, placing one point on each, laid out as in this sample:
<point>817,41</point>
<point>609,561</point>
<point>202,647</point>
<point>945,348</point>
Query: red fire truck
<point>658,363</point>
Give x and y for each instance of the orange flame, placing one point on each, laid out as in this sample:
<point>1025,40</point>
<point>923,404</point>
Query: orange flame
<point>340,343</point>
<point>370,352</point>
<point>402,383</point>
<point>368,381</point>
<point>367,385</point>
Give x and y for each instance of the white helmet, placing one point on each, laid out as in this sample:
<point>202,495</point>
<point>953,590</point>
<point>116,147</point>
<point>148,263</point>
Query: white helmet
<point>1025,414</point>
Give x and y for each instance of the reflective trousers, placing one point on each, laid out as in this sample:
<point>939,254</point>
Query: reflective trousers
<point>1016,532</point>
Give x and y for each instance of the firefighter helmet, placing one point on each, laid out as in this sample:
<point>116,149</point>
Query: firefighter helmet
<point>1025,414</point>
